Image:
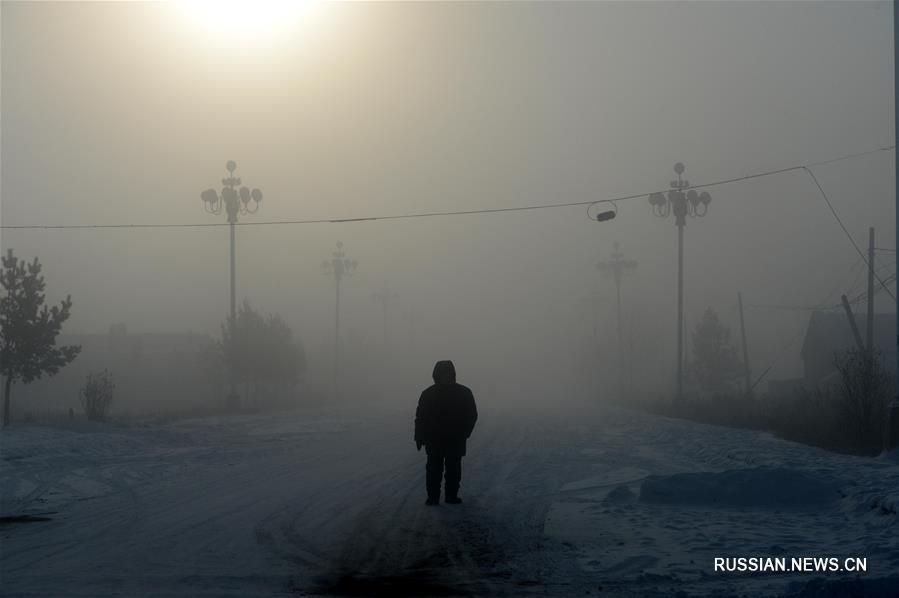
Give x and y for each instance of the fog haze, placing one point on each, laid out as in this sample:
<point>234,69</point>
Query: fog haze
<point>122,113</point>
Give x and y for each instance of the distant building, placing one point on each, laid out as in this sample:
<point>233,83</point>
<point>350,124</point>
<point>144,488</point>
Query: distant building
<point>829,334</point>
<point>152,372</point>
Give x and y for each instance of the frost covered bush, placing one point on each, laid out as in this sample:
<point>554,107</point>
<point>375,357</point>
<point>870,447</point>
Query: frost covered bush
<point>846,413</point>
<point>96,395</point>
<point>809,417</point>
<point>864,391</point>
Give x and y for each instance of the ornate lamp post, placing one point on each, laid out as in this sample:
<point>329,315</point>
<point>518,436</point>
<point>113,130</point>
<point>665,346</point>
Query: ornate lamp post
<point>617,267</point>
<point>683,202</point>
<point>235,201</point>
<point>339,266</point>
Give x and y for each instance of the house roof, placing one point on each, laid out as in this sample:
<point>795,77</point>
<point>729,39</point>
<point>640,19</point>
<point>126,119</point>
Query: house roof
<point>831,332</point>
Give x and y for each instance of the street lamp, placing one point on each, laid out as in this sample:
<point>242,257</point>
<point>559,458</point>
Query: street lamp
<point>683,202</point>
<point>617,267</point>
<point>235,201</point>
<point>339,266</point>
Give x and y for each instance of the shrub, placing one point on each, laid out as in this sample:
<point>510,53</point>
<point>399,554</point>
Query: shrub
<point>809,417</point>
<point>261,354</point>
<point>96,395</point>
<point>864,392</point>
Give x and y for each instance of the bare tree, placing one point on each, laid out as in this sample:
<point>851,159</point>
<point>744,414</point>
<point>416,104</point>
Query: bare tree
<point>865,390</point>
<point>96,395</point>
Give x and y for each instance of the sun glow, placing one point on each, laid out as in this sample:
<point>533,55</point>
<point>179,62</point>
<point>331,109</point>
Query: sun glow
<point>252,18</point>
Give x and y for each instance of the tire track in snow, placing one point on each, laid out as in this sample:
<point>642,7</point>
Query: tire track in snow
<point>493,544</point>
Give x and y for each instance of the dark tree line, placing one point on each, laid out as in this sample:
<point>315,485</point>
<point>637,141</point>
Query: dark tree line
<point>261,354</point>
<point>716,366</point>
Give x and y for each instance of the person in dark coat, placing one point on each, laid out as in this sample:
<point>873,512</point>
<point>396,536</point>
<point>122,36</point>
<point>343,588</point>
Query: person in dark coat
<point>444,420</point>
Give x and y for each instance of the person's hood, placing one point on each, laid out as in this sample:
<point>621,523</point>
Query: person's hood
<point>444,372</point>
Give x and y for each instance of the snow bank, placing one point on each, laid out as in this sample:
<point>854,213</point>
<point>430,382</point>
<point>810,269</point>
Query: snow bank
<point>760,487</point>
<point>79,440</point>
<point>892,455</point>
<point>887,587</point>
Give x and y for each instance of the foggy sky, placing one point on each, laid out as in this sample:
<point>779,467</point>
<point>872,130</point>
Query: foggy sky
<point>125,112</point>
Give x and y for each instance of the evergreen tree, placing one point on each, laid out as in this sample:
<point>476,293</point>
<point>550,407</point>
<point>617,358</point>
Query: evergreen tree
<point>261,351</point>
<point>28,328</point>
<point>715,366</point>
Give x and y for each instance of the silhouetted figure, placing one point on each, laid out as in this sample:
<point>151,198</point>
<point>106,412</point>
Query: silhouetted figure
<point>444,420</point>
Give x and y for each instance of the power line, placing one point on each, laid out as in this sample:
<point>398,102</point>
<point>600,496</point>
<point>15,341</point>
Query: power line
<point>836,289</point>
<point>859,286</point>
<point>862,296</point>
<point>884,265</point>
<point>823,307</point>
<point>791,343</point>
<point>845,230</point>
<point>412,215</point>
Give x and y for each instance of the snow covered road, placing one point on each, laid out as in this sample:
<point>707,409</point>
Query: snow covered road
<point>606,503</point>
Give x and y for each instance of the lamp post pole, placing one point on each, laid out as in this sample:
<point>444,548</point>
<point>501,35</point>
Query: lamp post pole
<point>339,266</point>
<point>593,299</point>
<point>683,202</point>
<point>617,267</point>
<point>235,200</point>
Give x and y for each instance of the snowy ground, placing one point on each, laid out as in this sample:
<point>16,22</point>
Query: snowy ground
<point>608,503</point>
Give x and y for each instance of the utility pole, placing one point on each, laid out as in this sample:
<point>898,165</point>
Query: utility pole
<point>855,333</point>
<point>682,203</point>
<point>746,371</point>
<point>869,345</point>
<point>339,266</point>
<point>891,433</point>
<point>235,202</point>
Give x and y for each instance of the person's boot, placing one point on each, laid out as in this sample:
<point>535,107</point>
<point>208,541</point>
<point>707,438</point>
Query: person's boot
<point>453,500</point>
<point>432,501</point>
